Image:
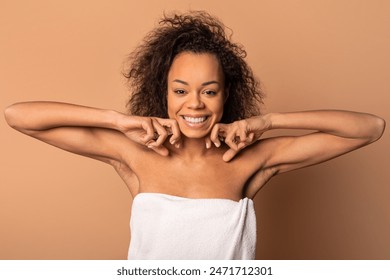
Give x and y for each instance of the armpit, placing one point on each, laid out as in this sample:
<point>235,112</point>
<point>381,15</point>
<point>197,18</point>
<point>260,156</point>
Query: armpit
<point>258,180</point>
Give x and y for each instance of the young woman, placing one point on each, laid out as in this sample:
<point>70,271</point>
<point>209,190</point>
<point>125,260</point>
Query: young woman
<point>191,150</point>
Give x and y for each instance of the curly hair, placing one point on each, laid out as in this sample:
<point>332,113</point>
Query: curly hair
<point>196,32</point>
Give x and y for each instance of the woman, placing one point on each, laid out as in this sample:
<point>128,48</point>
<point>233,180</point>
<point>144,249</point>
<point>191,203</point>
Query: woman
<point>191,150</point>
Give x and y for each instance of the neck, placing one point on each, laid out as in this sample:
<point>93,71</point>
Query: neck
<point>192,148</point>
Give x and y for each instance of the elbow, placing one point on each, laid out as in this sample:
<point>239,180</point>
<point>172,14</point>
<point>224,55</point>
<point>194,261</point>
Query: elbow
<point>15,117</point>
<point>10,116</point>
<point>378,129</point>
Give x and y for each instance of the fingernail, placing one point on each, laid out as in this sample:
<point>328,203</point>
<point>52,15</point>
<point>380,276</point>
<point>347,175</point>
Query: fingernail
<point>177,145</point>
<point>217,144</point>
<point>208,146</point>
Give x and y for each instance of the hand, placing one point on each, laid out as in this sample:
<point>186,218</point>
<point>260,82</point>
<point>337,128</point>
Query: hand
<point>151,132</point>
<point>237,135</point>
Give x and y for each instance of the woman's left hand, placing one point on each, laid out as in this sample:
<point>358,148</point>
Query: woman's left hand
<point>237,135</point>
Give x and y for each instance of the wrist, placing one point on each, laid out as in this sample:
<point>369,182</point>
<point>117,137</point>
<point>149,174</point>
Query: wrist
<point>117,120</point>
<point>269,120</point>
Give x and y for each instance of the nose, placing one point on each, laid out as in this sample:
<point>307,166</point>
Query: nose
<point>195,101</point>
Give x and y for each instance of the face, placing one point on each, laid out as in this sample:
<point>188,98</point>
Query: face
<point>195,93</point>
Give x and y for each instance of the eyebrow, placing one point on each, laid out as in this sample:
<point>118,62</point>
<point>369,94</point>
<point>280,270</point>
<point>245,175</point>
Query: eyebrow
<point>203,84</point>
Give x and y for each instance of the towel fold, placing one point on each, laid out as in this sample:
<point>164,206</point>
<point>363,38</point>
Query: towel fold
<point>172,227</point>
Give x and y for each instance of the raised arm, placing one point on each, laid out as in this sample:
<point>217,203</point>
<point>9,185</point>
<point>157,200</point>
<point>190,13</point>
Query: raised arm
<point>337,132</point>
<point>97,133</point>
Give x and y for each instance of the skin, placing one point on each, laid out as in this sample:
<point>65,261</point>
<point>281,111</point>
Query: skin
<point>183,155</point>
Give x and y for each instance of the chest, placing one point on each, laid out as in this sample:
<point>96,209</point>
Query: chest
<point>198,179</point>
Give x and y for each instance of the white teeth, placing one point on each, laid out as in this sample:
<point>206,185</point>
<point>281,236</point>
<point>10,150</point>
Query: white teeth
<point>194,120</point>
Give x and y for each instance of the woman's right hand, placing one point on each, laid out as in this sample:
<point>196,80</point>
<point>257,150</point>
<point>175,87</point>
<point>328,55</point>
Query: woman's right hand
<point>151,132</point>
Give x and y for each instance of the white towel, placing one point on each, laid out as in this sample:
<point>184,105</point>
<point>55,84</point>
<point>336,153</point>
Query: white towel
<point>171,227</point>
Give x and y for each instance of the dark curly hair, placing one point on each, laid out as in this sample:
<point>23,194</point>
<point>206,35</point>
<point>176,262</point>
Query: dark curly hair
<point>196,32</point>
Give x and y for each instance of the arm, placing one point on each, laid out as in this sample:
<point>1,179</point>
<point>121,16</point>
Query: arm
<point>97,133</point>
<point>338,132</point>
<point>34,117</point>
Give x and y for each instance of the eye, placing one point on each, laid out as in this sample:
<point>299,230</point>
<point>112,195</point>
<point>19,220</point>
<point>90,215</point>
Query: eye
<point>179,91</point>
<point>210,92</point>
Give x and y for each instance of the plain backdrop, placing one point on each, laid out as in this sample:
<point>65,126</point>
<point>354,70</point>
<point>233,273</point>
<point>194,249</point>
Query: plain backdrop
<point>308,55</point>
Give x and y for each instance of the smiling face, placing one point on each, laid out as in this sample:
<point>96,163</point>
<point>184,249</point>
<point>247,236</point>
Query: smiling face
<point>195,93</point>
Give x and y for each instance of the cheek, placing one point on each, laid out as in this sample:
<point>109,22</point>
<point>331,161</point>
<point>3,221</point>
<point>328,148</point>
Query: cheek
<point>221,105</point>
<point>218,110</point>
<point>171,105</point>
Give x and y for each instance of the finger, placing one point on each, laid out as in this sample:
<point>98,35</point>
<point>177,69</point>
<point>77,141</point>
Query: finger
<point>241,145</point>
<point>250,138</point>
<point>216,132</point>
<point>242,134</point>
<point>162,134</point>
<point>161,150</point>
<point>172,128</point>
<point>147,126</point>
<point>232,140</point>
<point>176,135</point>
<point>166,123</point>
<point>229,155</point>
<point>214,135</point>
<point>208,142</point>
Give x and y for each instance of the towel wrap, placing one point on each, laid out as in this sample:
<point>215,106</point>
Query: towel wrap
<point>172,227</point>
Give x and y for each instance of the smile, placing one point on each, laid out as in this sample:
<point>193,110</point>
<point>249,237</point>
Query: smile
<point>195,120</point>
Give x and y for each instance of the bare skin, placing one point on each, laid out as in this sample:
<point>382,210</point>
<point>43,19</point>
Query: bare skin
<point>183,155</point>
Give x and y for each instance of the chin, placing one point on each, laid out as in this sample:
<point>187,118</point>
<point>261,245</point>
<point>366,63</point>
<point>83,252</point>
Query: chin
<point>194,134</point>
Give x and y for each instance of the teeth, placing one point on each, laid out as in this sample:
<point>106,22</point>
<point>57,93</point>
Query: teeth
<point>194,120</point>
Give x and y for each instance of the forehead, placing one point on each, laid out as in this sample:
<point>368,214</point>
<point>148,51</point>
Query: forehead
<point>195,67</point>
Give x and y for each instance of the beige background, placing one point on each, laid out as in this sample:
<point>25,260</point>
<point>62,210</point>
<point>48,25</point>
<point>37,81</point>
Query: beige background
<point>308,54</point>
